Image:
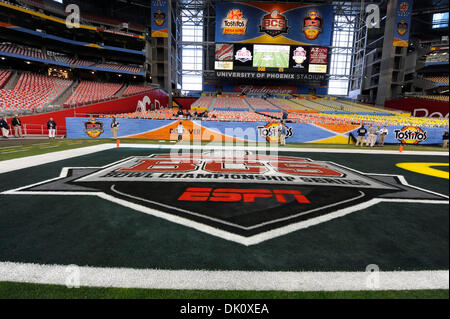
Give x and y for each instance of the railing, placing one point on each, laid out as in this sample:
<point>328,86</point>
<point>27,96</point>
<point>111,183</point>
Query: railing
<point>36,130</point>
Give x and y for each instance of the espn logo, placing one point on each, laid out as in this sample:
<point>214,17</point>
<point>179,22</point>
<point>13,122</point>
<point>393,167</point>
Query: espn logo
<point>195,194</point>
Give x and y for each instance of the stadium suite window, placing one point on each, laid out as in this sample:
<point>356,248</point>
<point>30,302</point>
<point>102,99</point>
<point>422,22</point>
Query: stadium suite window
<point>440,20</point>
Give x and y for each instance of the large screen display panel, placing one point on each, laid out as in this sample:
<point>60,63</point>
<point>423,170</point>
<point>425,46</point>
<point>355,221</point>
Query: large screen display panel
<point>271,56</point>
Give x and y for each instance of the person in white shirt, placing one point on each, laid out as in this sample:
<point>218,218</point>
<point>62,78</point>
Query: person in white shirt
<point>383,133</point>
<point>180,131</point>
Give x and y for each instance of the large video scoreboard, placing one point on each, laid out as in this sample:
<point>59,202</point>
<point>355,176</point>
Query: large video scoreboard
<point>272,41</point>
<point>267,61</point>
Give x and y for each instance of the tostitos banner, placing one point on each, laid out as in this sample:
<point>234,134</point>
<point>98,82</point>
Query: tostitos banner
<point>160,18</point>
<point>241,131</point>
<point>272,22</point>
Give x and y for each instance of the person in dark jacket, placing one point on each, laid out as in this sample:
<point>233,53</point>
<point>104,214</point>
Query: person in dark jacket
<point>51,126</point>
<point>445,139</point>
<point>17,124</point>
<point>362,131</point>
<point>4,126</point>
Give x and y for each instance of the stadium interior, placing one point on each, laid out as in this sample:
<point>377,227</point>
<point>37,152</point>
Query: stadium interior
<point>306,73</point>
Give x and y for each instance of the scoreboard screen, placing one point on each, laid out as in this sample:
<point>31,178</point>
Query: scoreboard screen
<point>271,56</point>
<point>270,61</point>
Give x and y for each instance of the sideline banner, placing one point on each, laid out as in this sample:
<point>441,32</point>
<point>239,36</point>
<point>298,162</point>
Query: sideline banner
<point>241,131</point>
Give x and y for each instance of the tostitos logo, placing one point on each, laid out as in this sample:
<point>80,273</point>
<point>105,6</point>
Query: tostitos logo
<point>235,23</point>
<point>312,25</point>
<point>93,128</point>
<point>410,135</point>
<point>272,131</point>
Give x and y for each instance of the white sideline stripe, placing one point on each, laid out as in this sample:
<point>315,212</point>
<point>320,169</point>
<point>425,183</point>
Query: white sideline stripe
<point>25,162</point>
<point>223,280</point>
<point>283,149</point>
<point>30,161</point>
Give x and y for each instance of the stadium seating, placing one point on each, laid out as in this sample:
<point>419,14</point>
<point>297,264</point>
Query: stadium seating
<point>63,58</point>
<point>203,103</point>
<point>4,77</point>
<point>135,89</point>
<point>120,67</point>
<point>22,50</point>
<point>260,104</point>
<point>230,103</point>
<point>33,92</point>
<point>438,79</point>
<point>92,92</point>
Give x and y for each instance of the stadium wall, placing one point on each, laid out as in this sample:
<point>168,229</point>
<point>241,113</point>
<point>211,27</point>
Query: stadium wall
<point>124,105</point>
<point>420,107</point>
<point>246,131</point>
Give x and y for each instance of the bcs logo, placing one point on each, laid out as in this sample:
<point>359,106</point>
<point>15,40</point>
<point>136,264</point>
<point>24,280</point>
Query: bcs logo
<point>237,196</point>
<point>410,135</point>
<point>93,128</point>
<point>312,25</point>
<point>243,55</point>
<point>274,24</point>
<point>271,132</point>
<point>234,23</point>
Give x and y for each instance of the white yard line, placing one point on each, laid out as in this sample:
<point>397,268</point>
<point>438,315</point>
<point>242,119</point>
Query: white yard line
<point>224,280</point>
<point>30,161</point>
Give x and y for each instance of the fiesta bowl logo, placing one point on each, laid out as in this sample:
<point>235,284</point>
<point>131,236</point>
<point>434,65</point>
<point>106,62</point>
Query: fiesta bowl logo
<point>274,24</point>
<point>402,27</point>
<point>93,128</point>
<point>312,25</point>
<point>235,23</point>
<point>243,55</point>
<point>234,195</point>
<point>410,135</point>
<point>272,132</point>
<point>299,57</point>
<point>159,17</point>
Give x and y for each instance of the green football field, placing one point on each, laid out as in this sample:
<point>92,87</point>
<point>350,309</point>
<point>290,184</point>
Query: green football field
<point>126,246</point>
<point>271,59</point>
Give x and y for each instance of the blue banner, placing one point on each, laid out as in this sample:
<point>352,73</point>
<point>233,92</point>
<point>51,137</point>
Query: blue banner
<point>271,22</point>
<point>160,19</point>
<point>402,23</point>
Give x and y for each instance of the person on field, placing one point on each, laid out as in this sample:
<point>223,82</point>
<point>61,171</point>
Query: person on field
<point>51,127</point>
<point>180,131</point>
<point>4,126</point>
<point>362,131</point>
<point>383,132</point>
<point>283,133</point>
<point>17,124</point>
<point>371,136</point>
<point>445,139</point>
<point>114,127</point>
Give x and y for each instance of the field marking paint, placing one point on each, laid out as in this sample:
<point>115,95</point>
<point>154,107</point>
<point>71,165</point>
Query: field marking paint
<point>224,280</point>
<point>36,160</point>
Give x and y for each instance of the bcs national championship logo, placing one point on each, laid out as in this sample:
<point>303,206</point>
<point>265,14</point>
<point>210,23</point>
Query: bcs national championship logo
<point>93,128</point>
<point>234,23</point>
<point>243,55</point>
<point>410,135</point>
<point>312,25</point>
<point>236,196</point>
<point>274,24</point>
